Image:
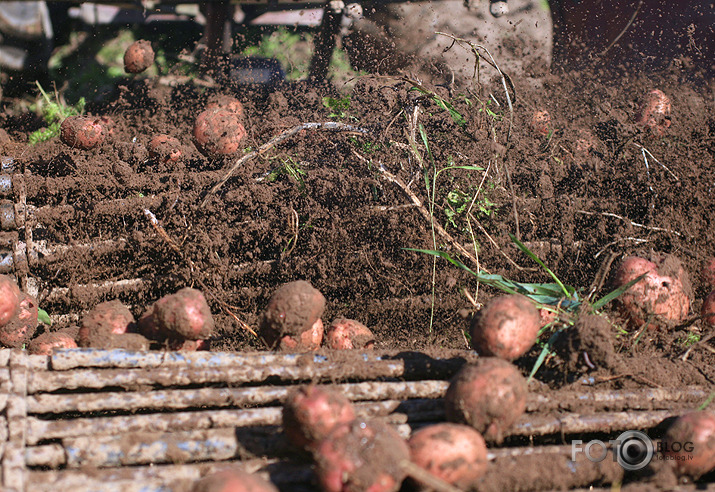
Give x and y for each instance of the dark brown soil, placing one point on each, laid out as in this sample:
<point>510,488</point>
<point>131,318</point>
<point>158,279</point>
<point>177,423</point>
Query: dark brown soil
<point>343,207</point>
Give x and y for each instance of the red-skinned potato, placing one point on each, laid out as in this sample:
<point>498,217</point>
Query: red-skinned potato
<point>348,334</point>
<point>708,273</point>
<point>506,327</point>
<point>453,452</point>
<point>48,342</point>
<point>311,413</point>
<point>654,112</point>
<point>309,340</point>
<point>83,132</point>
<point>540,123</point>
<point>218,132</point>
<point>9,299</point>
<point>165,149</point>
<point>22,327</point>
<point>661,297</point>
<point>233,480</point>
<point>708,309</point>
<point>184,314</point>
<point>105,319</point>
<point>488,395</point>
<point>690,443</point>
<point>226,102</point>
<point>138,57</point>
<point>294,308</point>
<point>361,456</point>
<point>176,344</point>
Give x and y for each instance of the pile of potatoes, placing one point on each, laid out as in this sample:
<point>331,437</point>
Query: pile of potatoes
<point>179,321</point>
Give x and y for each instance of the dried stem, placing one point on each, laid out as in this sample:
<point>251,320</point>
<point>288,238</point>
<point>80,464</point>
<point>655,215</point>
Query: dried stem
<point>326,126</point>
<point>194,270</point>
<point>422,209</point>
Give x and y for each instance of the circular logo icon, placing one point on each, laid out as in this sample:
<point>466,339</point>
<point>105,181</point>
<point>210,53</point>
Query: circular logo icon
<point>634,450</point>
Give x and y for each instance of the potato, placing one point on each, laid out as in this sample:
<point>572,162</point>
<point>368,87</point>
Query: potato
<point>540,123</point>
<point>177,344</point>
<point>663,296</point>
<point>506,327</point>
<point>707,274</point>
<point>294,308</point>
<point>226,102</point>
<point>347,334</point>
<point>311,413</point>
<point>138,57</point>
<point>107,318</point>
<point>21,328</point>
<point>654,112</point>
<point>489,395</point>
<point>83,132</point>
<point>9,299</point>
<point>165,149</point>
<point>307,341</point>
<point>185,314</point>
<point>453,452</point>
<point>218,132</point>
<point>233,480</point>
<point>690,443</point>
<point>708,309</point>
<point>361,456</point>
<point>46,343</point>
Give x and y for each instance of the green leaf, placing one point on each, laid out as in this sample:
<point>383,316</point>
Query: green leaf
<point>544,352</point>
<point>43,317</point>
<point>567,291</point>
<point>614,294</point>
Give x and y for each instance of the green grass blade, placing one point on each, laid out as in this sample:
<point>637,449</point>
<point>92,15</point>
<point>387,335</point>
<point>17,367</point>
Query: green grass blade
<point>43,317</point>
<point>445,105</point>
<point>707,401</point>
<point>567,292</point>
<point>544,352</point>
<point>614,294</point>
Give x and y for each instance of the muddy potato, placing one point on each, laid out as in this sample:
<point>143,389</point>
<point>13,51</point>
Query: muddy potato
<point>310,414</point>
<point>181,345</point>
<point>229,103</point>
<point>540,123</point>
<point>707,274</point>
<point>488,395</point>
<point>361,456</point>
<point>20,330</point>
<point>654,112</point>
<point>690,443</point>
<point>309,340</point>
<point>348,334</point>
<point>662,296</point>
<point>105,319</point>
<point>165,149</point>
<point>233,480</point>
<point>453,452</point>
<point>294,308</point>
<point>138,57</point>
<point>9,299</point>
<point>184,314</point>
<point>83,132</point>
<point>218,132</point>
<point>48,342</point>
<point>506,327</point>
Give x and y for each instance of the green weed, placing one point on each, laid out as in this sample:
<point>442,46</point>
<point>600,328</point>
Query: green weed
<point>53,112</point>
<point>337,106</point>
<point>289,167</point>
<point>554,296</point>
